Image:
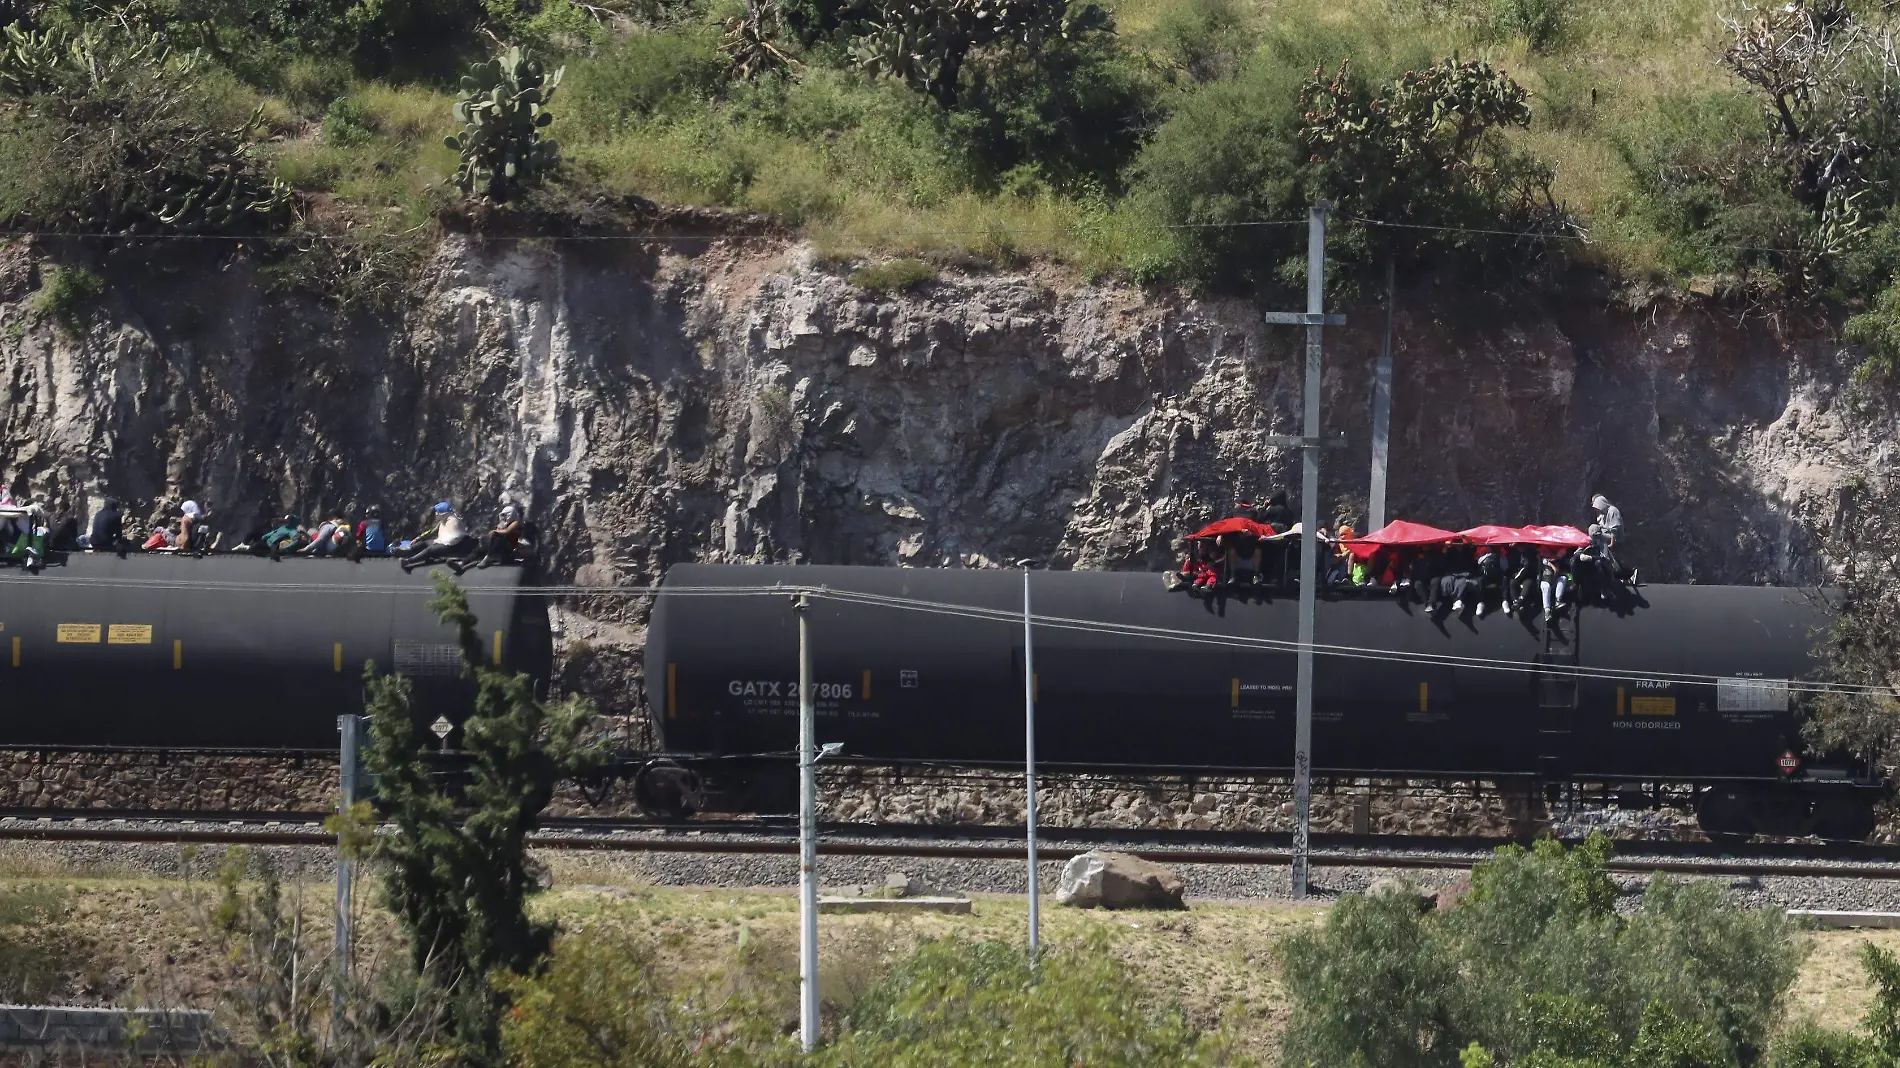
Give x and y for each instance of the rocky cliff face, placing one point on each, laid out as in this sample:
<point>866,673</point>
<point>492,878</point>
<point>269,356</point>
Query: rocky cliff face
<point>652,404</point>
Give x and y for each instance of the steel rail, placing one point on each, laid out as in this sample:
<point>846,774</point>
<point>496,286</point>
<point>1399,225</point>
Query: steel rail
<point>965,844</point>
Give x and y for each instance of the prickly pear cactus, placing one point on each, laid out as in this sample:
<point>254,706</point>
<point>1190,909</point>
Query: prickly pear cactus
<point>502,108</point>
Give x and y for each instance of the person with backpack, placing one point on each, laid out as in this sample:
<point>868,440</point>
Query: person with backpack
<point>502,542</point>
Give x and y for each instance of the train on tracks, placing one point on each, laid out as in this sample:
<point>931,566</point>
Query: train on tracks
<point>1673,690</point>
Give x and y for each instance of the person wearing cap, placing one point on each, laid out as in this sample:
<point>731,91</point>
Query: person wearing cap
<point>448,539</point>
<point>502,541</point>
<point>369,532</point>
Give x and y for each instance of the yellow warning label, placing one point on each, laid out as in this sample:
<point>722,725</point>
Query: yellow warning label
<point>129,634</point>
<point>77,633</point>
<point>1652,706</point>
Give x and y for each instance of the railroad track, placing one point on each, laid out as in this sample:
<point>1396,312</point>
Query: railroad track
<point>779,838</point>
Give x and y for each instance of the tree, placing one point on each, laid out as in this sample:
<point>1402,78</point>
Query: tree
<point>458,874</point>
<point>926,43</point>
<point>1427,149</point>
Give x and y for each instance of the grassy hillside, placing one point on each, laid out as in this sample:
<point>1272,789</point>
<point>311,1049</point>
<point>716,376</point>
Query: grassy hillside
<point>1155,137</point>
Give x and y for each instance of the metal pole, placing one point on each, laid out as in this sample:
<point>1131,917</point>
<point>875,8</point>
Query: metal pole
<point>807,836</point>
<point>1029,770</point>
<point>1381,413</point>
<point>350,729</point>
<point>1309,550</point>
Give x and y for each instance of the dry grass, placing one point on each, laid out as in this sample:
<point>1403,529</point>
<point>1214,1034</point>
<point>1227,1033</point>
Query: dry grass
<point>147,939</point>
<point>1832,988</point>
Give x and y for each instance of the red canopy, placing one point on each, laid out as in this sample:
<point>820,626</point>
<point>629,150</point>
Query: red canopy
<point>1493,534</point>
<point>1399,532</point>
<point>1235,524</point>
<point>1558,536</point>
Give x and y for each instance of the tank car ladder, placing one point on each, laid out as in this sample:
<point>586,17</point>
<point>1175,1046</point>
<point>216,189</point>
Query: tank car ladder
<point>1556,699</point>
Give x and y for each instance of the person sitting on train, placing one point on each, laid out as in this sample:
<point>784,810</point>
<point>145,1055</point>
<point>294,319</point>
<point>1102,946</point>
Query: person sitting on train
<point>63,530</point>
<point>1274,513</point>
<point>191,535</point>
<point>370,537</point>
<point>1343,560</point>
<point>1553,577</point>
<point>108,529</point>
<point>161,539</point>
<point>503,542</point>
<point>1520,562</point>
<point>1492,573</point>
<point>449,539</point>
<point>285,537</point>
<point>22,535</point>
<point>1242,557</point>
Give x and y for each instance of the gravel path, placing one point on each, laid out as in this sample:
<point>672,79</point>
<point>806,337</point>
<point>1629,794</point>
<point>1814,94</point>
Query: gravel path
<point>1235,882</point>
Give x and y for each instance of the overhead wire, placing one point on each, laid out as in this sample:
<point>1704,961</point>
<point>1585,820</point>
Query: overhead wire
<point>651,236</point>
<point>1005,615</point>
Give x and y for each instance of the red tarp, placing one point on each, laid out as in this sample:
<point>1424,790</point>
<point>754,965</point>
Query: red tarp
<point>1559,536</point>
<point>1237,524</point>
<point>1399,532</point>
<point>1493,534</point>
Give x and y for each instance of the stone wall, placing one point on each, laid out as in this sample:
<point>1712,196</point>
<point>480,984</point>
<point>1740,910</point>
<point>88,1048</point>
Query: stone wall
<point>171,781</point>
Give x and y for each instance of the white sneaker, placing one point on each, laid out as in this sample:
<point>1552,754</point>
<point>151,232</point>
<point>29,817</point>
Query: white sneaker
<point>1457,606</point>
<point>1481,611</point>
<point>1509,610</point>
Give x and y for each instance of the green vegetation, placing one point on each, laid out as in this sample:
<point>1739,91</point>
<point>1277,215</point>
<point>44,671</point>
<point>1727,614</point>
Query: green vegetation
<point>893,276</point>
<point>69,296</point>
<point>1535,967</point>
<point>1734,150</point>
<point>457,872</point>
<point>502,109</point>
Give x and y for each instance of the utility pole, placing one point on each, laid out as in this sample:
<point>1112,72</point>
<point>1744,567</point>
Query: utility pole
<point>1315,320</point>
<point>350,731</point>
<point>1381,413</point>
<point>1029,767</point>
<point>807,835</point>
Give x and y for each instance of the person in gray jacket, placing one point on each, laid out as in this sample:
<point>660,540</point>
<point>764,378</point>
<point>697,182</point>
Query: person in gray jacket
<point>1609,525</point>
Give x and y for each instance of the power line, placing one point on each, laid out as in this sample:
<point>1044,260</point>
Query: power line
<point>653,236</point>
<point>1543,234</point>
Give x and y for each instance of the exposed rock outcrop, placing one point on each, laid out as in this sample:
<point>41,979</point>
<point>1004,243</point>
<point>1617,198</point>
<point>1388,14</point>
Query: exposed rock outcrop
<point>739,402</point>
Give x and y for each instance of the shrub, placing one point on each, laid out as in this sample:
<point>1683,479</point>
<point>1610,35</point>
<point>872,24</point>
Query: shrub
<point>346,123</point>
<point>641,74</point>
<point>893,276</point>
<point>70,296</point>
<point>1535,967</point>
<point>963,1003</point>
<point>118,132</point>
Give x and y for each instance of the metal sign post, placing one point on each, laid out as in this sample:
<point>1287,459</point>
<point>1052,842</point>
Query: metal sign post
<point>1315,320</point>
<point>1029,769</point>
<point>350,730</point>
<point>807,836</point>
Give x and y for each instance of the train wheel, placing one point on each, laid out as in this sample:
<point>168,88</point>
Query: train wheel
<point>1725,815</point>
<point>1844,819</point>
<point>665,790</point>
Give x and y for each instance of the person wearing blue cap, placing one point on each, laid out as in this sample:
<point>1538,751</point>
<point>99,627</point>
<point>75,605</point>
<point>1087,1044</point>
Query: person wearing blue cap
<point>448,540</point>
